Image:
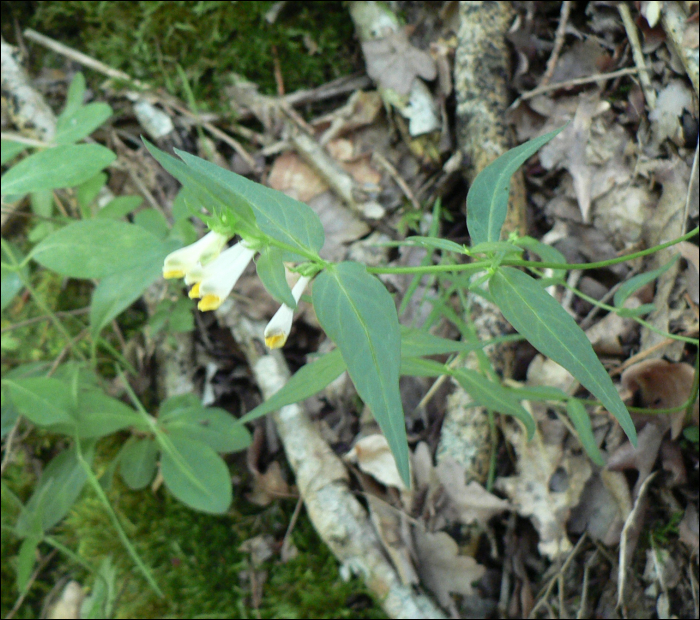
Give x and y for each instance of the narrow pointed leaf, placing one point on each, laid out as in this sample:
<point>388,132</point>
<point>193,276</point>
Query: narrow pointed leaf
<point>307,381</point>
<point>487,201</point>
<point>549,328</point>
<point>582,422</point>
<point>281,217</point>
<point>359,315</point>
<point>493,396</point>
<point>634,284</point>
<point>211,196</point>
<point>61,166</point>
<point>271,273</point>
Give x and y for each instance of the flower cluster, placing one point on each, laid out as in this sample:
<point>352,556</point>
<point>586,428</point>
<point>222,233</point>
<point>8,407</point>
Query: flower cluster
<point>212,274</point>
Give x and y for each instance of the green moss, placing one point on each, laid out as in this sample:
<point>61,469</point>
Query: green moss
<point>209,40</point>
<point>196,562</point>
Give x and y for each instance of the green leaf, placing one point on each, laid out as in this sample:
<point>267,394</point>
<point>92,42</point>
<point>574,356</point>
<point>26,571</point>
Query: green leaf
<point>80,123</point>
<point>213,426</point>
<point>61,166</point>
<point>59,486</point>
<point>582,422</point>
<point>120,207</point>
<point>26,560</point>
<point>551,330</point>
<point>195,474</point>
<point>634,284</point>
<point>419,367</point>
<point>277,215</point>
<point>271,273</point>
<point>75,96</point>
<point>418,343</point>
<point>138,462</point>
<point>11,281</point>
<point>493,396</point>
<point>153,221</point>
<point>43,400</point>
<point>434,243</point>
<point>546,252</point>
<point>10,149</point>
<point>118,291</point>
<point>212,196</point>
<point>307,381</point>
<point>359,315</point>
<point>97,248</point>
<point>489,247</point>
<point>487,201</point>
<point>98,415</point>
<point>180,318</point>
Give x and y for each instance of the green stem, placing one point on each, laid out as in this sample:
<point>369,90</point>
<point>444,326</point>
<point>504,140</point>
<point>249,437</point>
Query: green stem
<point>513,262</point>
<point>646,324</point>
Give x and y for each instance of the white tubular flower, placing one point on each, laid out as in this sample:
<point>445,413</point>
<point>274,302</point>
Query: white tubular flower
<point>214,282</point>
<point>277,330</point>
<point>180,262</point>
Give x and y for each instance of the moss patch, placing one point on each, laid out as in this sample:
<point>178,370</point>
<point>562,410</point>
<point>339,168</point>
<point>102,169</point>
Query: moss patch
<point>313,41</point>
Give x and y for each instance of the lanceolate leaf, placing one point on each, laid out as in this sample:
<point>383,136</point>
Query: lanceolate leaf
<point>550,329</point>
<point>61,166</point>
<point>487,201</point>
<point>582,421</point>
<point>307,381</point>
<point>97,248</point>
<point>211,196</point>
<point>637,282</point>
<point>493,396</point>
<point>277,215</point>
<point>271,273</point>
<point>357,312</point>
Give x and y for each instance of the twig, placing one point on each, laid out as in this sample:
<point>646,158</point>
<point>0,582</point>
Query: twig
<point>543,599</point>
<point>83,59</point>
<point>398,179</point>
<point>341,521</point>
<point>633,37</point>
<point>577,82</point>
<point>689,191</point>
<point>558,42</point>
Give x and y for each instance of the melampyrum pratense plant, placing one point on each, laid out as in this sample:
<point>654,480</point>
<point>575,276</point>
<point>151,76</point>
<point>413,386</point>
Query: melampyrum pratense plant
<point>185,440</point>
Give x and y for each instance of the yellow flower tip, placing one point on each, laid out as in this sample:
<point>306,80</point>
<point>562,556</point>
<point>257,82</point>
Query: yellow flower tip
<point>275,341</point>
<point>194,292</point>
<point>209,302</point>
<point>170,274</point>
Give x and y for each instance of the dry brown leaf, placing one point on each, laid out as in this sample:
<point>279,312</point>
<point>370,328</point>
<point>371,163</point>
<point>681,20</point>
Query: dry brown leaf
<point>291,175</point>
<point>641,458</point>
<point>691,253</point>
<point>688,529</point>
<point>373,456</point>
<point>467,502</point>
<point>394,63</point>
<point>665,117</point>
<point>269,486</point>
<point>339,223</point>
<point>662,385</point>
<point>441,568</point>
<point>548,485</point>
<point>630,536</point>
<point>605,504</point>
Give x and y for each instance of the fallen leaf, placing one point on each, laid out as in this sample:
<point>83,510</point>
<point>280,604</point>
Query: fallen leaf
<point>547,486</point>
<point>441,568</point>
<point>467,502</point>
<point>394,63</point>
<point>291,175</point>
<point>373,456</point>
